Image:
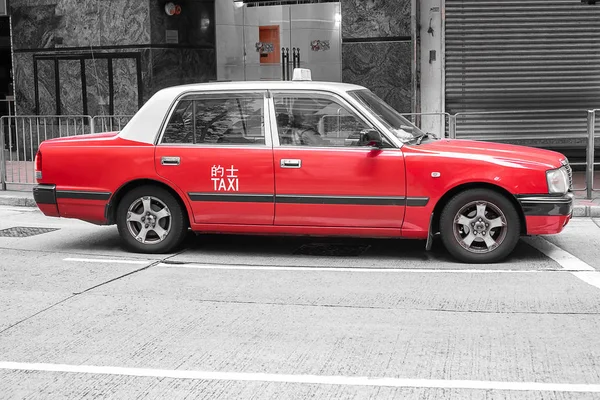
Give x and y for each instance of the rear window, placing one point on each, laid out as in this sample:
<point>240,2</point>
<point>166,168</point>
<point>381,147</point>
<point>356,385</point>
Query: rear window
<point>217,119</point>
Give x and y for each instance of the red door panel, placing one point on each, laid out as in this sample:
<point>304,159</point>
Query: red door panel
<point>339,187</point>
<point>224,185</point>
<point>216,147</point>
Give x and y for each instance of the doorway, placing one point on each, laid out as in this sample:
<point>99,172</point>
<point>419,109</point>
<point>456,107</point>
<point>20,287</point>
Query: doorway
<point>266,42</point>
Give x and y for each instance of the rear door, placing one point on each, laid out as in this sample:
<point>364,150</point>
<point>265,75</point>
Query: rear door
<point>216,149</point>
<point>322,176</point>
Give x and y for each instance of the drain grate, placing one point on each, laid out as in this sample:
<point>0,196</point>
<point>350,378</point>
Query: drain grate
<point>21,231</point>
<point>331,249</point>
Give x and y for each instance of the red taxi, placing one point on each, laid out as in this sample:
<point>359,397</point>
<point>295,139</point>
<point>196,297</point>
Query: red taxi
<point>299,157</point>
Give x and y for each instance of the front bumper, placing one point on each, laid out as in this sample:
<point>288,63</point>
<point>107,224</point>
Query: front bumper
<point>546,214</point>
<point>547,205</point>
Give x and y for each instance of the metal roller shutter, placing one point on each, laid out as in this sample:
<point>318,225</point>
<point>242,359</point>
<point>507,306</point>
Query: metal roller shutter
<point>522,55</point>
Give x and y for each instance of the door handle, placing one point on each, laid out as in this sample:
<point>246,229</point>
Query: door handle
<point>170,160</point>
<point>288,163</point>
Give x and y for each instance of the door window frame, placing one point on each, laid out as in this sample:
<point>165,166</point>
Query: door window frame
<point>184,97</point>
<point>361,114</point>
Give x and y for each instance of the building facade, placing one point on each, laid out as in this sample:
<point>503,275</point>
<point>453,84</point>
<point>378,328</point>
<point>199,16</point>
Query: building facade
<point>102,57</point>
<point>99,57</point>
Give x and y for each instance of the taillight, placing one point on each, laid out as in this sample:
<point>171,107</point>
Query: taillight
<point>38,165</point>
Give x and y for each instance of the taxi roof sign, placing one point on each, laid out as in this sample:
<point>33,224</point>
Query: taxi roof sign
<point>302,74</point>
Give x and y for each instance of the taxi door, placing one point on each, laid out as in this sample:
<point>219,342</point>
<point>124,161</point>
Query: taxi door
<point>216,148</point>
<point>323,177</point>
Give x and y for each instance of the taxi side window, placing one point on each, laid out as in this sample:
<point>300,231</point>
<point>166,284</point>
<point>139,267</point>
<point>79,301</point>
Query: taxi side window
<point>180,127</point>
<point>217,119</point>
<point>316,120</point>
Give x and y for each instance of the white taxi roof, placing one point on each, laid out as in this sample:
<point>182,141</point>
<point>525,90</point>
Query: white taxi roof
<point>144,126</point>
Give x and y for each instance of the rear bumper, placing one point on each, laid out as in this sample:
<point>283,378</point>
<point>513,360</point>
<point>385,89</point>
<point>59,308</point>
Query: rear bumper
<point>44,194</point>
<point>546,214</point>
<point>85,205</point>
<point>45,198</point>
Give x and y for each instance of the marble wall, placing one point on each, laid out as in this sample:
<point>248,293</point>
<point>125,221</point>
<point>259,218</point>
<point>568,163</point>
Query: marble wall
<point>377,48</point>
<point>125,88</point>
<point>98,93</point>
<point>167,67</point>
<point>50,24</point>
<point>375,18</point>
<point>47,87</point>
<point>71,95</point>
<point>192,59</point>
<point>24,84</point>
<point>94,30</point>
<point>383,67</point>
<point>195,24</point>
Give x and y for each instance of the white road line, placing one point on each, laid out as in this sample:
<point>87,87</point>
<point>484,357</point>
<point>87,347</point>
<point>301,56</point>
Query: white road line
<point>108,261</point>
<point>345,269</point>
<point>306,379</point>
<point>568,261</point>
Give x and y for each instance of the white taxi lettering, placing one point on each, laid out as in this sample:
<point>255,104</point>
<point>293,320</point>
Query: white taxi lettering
<point>217,172</point>
<point>222,182</point>
<point>232,179</point>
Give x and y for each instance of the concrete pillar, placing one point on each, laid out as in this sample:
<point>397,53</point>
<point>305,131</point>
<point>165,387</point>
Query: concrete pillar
<point>431,33</point>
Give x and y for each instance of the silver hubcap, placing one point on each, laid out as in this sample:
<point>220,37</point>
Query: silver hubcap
<point>480,227</point>
<point>149,220</point>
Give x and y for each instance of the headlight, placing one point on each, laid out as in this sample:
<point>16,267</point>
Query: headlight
<point>558,180</point>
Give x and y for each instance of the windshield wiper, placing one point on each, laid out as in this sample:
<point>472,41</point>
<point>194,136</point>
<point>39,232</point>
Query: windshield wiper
<point>420,137</point>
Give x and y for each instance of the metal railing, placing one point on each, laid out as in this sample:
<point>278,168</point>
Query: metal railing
<point>575,127</point>
<point>109,123</point>
<point>21,136</point>
<point>426,120</point>
<point>590,155</point>
<point>522,124</point>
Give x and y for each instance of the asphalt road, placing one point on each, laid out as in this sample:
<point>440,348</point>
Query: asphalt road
<point>234,317</point>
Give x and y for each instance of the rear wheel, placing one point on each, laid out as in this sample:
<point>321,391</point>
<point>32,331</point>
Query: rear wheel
<point>480,226</point>
<point>150,220</point>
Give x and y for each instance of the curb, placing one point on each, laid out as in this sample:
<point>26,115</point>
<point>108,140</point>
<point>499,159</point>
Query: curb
<point>579,210</point>
<point>17,201</point>
<point>586,211</point>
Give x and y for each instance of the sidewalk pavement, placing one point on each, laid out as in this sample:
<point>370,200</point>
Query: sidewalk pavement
<point>586,208</point>
<point>582,207</point>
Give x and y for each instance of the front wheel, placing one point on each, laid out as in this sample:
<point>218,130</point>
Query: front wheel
<point>480,226</point>
<point>150,220</point>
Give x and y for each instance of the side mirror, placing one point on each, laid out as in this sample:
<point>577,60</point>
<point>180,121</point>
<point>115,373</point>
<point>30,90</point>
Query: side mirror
<point>371,137</point>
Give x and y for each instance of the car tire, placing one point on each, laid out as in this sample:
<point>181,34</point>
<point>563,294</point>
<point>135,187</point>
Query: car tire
<point>151,220</point>
<point>480,226</point>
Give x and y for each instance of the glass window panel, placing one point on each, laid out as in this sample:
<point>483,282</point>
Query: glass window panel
<point>316,120</point>
<point>218,119</point>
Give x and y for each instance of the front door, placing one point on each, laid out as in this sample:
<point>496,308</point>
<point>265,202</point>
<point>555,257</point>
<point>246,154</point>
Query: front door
<point>217,150</point>
<point>323,177</point>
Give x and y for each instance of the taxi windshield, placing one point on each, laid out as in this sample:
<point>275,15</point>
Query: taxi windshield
<point>401,127</point>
